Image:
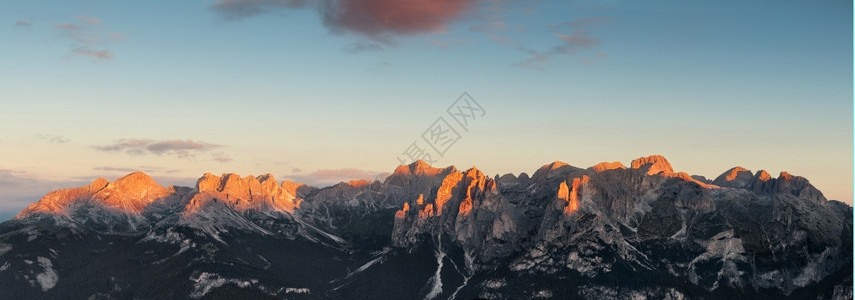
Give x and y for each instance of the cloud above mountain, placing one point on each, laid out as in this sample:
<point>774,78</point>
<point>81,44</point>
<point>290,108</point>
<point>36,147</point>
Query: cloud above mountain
<point>182,149</point>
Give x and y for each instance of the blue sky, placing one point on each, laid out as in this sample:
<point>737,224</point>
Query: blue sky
<point>324,90</point>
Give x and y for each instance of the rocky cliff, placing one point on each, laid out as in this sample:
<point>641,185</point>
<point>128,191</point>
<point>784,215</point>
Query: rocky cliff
<point>602,232</point>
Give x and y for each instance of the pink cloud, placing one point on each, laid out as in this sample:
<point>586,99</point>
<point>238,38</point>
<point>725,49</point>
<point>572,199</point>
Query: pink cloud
<point>578,40</point>
<point>23,24</point>
<point>86,37</point>
<point>96,54</point>
<point>375,19</point>
<point>586,21</point>
<point>89,20</point>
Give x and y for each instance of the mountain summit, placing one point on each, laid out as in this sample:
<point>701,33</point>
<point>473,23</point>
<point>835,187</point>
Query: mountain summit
<point>602,232</point>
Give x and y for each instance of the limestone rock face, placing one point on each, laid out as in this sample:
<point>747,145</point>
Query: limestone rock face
<point>244,194</point>
<point>606,231</point>
<point>762,183</point>
<point>467,206</point>
<point>736,177</point>
<point>605,166</point>
<point>652,165</point>
<point>553,170</point>
<point>129,194</point>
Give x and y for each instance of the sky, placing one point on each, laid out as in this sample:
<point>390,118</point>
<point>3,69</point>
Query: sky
<point>329,90</point>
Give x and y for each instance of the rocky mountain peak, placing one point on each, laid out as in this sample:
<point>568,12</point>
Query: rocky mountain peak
<point>208,183</point>
<point>245,193</point>
<point>136,179</point>
<point>797,186</point>
<point>358,182</point>
<point>605,166</point>
<point>556,164</point>
<point>474,173</point>
<point>736,177</point>
<point>419,167</point>
<point>762,175</point>
<point>762,183</point>
<point>652,165</point>
<point>553,170</point>
<point>131,193</point>
<point>98,184</point>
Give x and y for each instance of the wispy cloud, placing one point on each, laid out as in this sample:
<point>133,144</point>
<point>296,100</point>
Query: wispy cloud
<point>24,24</point>
<point>572,40</point>
<point>88,38</point>
<point>52,138</point>
<point>496,30</point>
<point>96,54</point>
<point>182,149</point>
<point>115,169</point>
<point>9,177</point>
<point>221,157</point>
<point>587,21</point>
<point>363,46</point>
<point>241,9</point>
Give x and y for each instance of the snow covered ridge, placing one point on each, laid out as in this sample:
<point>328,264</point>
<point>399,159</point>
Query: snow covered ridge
<point>205,282</point>
<point>607,231</point>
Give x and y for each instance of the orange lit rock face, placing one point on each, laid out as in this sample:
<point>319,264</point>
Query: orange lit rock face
<point>652,165</point>
<point>688,178</point>
<point>557,164</point>
<point>605,166</point>
<point>465,207</point>
<point>245,193</point>
<point>762,175</point>
<point>419,167</point>
<point>553,169</point>
<point>733,173</point>
<point>443,194</point>
<point>129,194</point>
<point>458,189</point>
<point>571,193</point>
<point>400,214</point>
<point>475,182</point>
<point>427,211</point>
<point>55,202</point>
<point>736,177</point>
<point>358,183</point>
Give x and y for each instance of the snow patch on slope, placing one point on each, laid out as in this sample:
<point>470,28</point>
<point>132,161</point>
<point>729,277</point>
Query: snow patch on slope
<point>436,280</point>
<point>4,248</point>
<point>47,279</point>
<point>206,282</point>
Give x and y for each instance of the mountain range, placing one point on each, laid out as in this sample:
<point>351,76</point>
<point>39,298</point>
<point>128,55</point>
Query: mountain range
<point>565,232</point>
